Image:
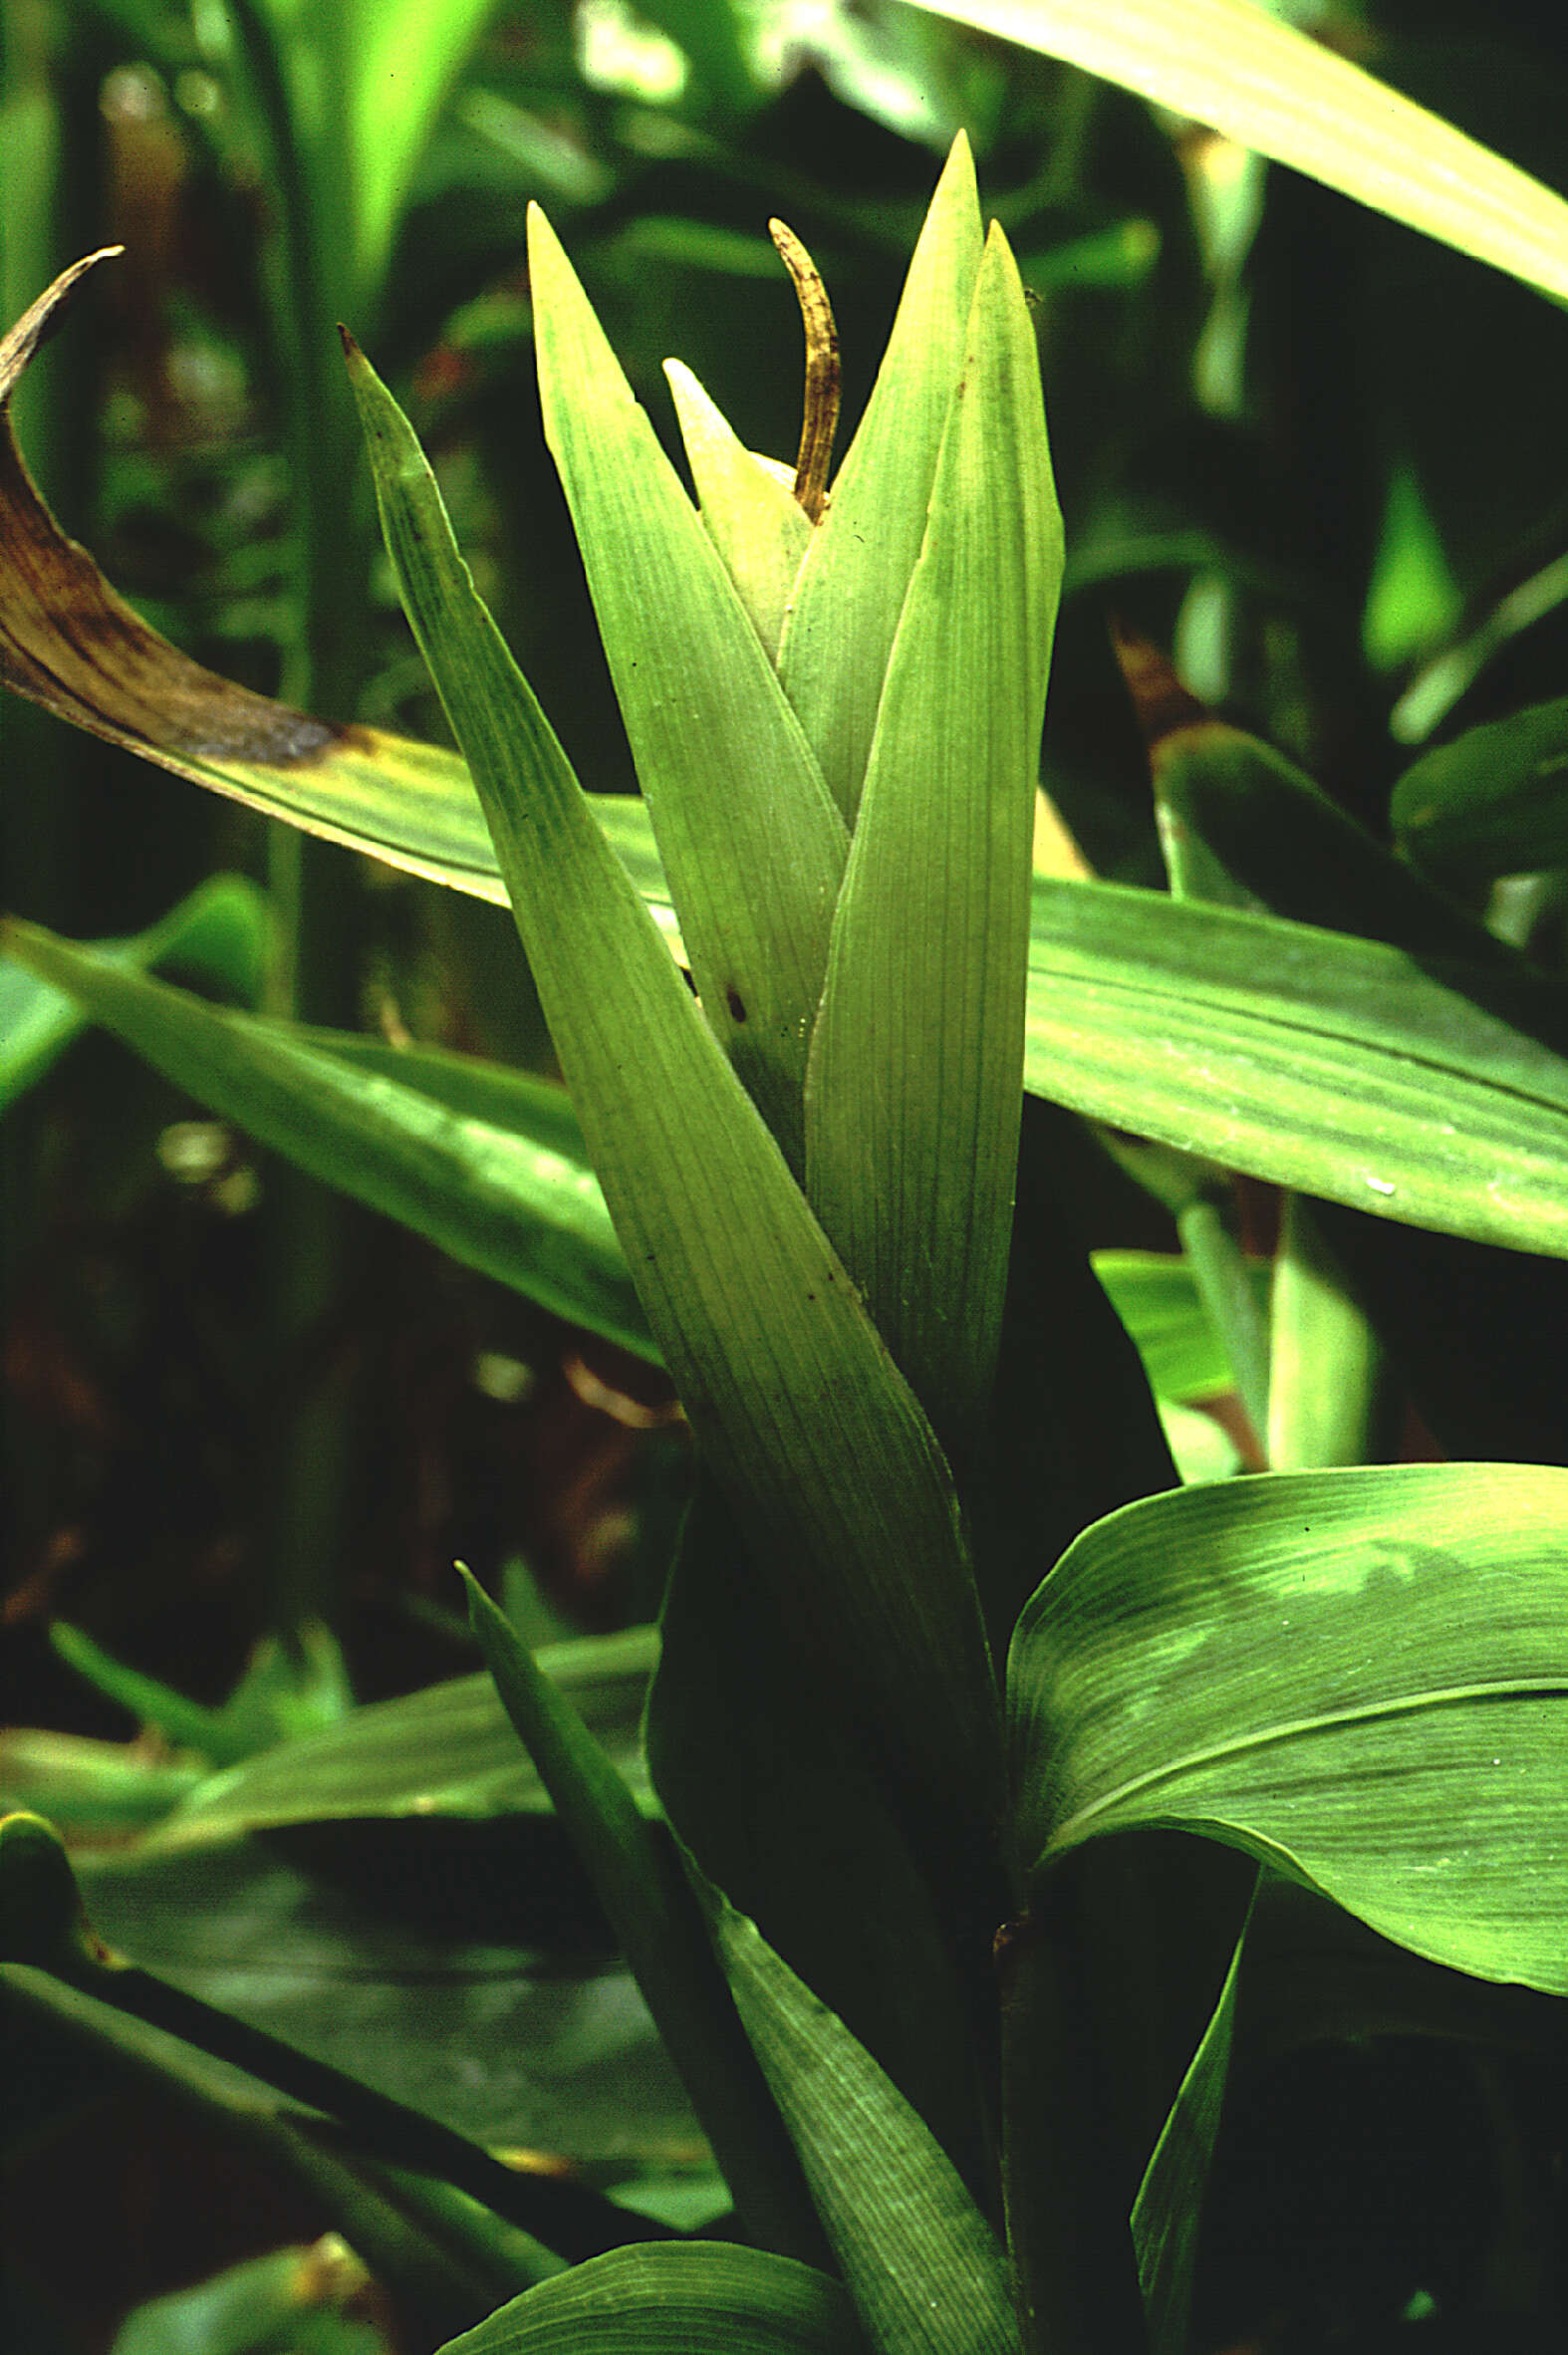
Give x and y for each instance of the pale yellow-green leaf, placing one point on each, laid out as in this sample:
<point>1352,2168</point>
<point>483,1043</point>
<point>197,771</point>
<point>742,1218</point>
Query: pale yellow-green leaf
<point>754,519</point>
<point>1239,68</point>
<point>838,633</point>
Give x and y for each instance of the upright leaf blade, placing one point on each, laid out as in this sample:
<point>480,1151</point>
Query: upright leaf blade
<point>1264,84</point>
<point>914,1086</point>
<point>754,519</point>
<point>637,1880</point>
<point>787,1383</point>
<point>923,2266</point>
<point>1359,1677</point>
<point>753,844</point>
<point>840,628</point>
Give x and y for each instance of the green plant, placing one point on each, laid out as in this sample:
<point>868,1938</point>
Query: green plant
<point>802,1198</point>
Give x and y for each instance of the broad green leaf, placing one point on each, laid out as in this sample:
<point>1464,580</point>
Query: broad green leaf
<point>527,1213</point>
<point>1493,802</point>
<point>1168,2214</point>
<point>1241,69</point>
<point>418,1979</point>
<point>707,2299</point>
<point>406,49</point>
<point>448,1750</point>
<point>915,1083</point>
<point>1359,1677</point>
<point>220,932</point>
<point>1157,1299</point>
<point>1341,1067</point>
<point>839,631</point>
<point>637,1877</point>
<point>922,2263</point>
<point>754,520</point>
<point>751,842</point>
<point>785,1379</point>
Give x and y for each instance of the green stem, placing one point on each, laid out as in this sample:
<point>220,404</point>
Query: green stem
<point>1069,2223</point>
<point>1224,1285</point>
<point>1327,1392</point>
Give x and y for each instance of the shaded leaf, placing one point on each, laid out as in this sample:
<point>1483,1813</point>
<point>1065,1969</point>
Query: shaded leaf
<point>710,2299</point>
<point>1168,2214</point>
<point>380,1973</point>
<point>452,1149</point>
<point>1359,1677</point>
<point>923,2266</point>
<point>1493,802</point>
<point>637,1880</point>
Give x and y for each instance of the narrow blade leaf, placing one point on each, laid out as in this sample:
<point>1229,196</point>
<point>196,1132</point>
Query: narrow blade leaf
<point>638,1879</point>
<point>1238,68</point>
<point>1359,1677</point>
<point>786,1380</point>
<point>754,519</point>
<point>516,1204</point>
<point>1341,1067</point>
<point>915,1079</point>
<point>753,845</point>
<point>840,628</point>
<point>923,2266</point>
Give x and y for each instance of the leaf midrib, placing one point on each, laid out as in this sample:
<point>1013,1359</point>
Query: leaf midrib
<point>1077,1827</point>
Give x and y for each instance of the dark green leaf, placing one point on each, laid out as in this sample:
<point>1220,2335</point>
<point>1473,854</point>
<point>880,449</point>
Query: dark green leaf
<point>707,2299</point>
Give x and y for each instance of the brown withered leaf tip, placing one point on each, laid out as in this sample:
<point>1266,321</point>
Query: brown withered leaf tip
<point>69,643</point>
<point>1160,704</point>
<point>820,420</point>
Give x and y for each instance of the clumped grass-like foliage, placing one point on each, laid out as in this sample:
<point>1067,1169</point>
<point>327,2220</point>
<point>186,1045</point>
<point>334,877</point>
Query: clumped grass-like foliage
<point>906,1733</point>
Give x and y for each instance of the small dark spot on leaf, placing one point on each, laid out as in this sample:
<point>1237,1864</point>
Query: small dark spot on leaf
<point>735,1002</point>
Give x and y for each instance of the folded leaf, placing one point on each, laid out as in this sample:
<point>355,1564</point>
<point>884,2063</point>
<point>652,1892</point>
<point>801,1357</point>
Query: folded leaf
<point>839,629</point>
<point>751,842</point>
<point>917,1059</point>
<point>707,2298</point>
<point>923,2266</point>
<point>1237,67</point>
<point>1359,1677</point>
<point>221,931</point>
<point>754,519</point>
<point>787,1383</point>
